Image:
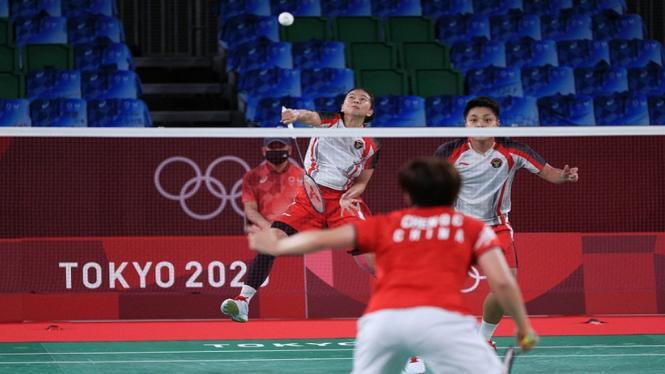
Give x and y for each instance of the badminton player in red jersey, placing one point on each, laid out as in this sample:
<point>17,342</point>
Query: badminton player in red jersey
<point>342,167</point>
<point>422,257</point>
<point>487,166</point>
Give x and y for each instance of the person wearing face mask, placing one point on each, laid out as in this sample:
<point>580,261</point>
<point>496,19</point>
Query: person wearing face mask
<point>271,187</point>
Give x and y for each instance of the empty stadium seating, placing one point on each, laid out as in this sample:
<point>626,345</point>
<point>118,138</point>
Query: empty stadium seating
<point>544,60</point>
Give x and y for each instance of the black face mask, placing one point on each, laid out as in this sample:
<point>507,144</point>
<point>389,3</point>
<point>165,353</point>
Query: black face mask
<point>277,157</point>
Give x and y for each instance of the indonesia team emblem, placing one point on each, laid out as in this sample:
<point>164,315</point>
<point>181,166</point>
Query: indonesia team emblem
<point>496,163</point>
<point>358,144</point>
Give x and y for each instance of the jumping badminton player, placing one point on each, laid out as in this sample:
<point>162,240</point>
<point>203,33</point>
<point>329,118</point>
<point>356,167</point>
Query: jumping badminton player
<point>342,167</point>
<point>422,256</point>
<point>487,166</point>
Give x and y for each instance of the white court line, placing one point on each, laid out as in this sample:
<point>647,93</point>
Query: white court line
<point>172,361</point>
<point>177,352</point>
<point>249,350</point>
<point>287,359</point>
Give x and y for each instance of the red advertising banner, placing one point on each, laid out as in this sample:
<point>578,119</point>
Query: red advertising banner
<point>188,277</point>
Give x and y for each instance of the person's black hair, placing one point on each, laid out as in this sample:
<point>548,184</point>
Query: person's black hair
<point>482,102</point>
<point>430,181</point>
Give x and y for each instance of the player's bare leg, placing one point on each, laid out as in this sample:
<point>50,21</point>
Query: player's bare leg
<point>492,314</point>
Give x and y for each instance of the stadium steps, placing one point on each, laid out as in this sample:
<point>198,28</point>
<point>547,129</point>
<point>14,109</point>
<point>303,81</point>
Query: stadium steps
<point>187,92</point>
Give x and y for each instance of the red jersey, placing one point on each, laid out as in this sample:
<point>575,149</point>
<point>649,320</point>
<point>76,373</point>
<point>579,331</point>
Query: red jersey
<point>422,256</point>
<point>273,191</point>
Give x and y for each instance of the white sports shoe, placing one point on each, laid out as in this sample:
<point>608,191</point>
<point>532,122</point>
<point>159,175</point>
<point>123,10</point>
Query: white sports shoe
<point>414,366</point>
<point>236,308</point>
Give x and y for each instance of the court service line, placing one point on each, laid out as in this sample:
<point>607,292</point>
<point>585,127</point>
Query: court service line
<point>173,361</point>
<point>177,352</point>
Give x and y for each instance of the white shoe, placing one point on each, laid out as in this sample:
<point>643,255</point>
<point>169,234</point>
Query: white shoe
<point>414,366</point>
<point>236,308</point>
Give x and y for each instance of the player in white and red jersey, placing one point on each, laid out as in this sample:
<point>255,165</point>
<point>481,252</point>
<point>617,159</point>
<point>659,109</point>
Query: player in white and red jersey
<point>422,257</point>
<point>342,167</point>
<point>487,166</point>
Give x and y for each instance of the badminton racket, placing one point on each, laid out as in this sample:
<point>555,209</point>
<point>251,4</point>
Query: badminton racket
<point>312,190</point>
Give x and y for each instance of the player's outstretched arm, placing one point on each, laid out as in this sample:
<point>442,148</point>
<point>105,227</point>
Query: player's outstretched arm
<point>558,176</point>
<point>306,117</point>
<point>266,241</point>
<point>505,287</point>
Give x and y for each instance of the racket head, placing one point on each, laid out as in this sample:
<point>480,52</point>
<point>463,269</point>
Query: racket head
<point>313,193</point>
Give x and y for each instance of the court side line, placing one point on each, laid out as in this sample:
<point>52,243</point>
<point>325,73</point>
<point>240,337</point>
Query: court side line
<point>172,361</point>
<point>178,352</point>
<point>281,359</point>
<point>249,350</point>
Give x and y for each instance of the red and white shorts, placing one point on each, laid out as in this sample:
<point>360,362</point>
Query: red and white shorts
<point>504,232</point>
<point>300,215</point>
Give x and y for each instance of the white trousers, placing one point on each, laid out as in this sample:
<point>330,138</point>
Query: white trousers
<point>448,342</point>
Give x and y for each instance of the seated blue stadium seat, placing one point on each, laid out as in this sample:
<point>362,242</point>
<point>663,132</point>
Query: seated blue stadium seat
<point>518,111</point>
<point>446,110</point>
<point>649,80</point>
<point>387,8</point>
<point>329,103</point>
<point>32,8</point>
<point>316,54</point>
<point>438,8</point>
<point>299,8</point>
<point>269,110</point>
<point>15,112</point>
<point>496,7</point>
<point>583,53</point>
<point>52,83</point>
<point>260,54</point>
<point>78,8</point>
<point>566,26</point>
<point>103,53</point>
<point>657,109</point>
<point>247,28</point>
<point>478,53</point>
<point>273,82</point>
<point>601,79</point>
<point>336,8</point>
<point>4,8</point>
<point>596,6</point>
<point>85,29</point>
<point>42,29</point>
<point>399,111</point>
<point>62,112</point>
<point>115,84</point>
<point>609,25</point>
<point>635,53</point>
<point>540,81</point>
<point>227,9</point>
<point>621,109</point>
<point>546,7</point>
<point>326,81</point>
<point>462,27</point>
<point>495,81</point>
<point>566,110</point>
<point>528,52</point>
<point>118,113</point>
<point>515,25</point>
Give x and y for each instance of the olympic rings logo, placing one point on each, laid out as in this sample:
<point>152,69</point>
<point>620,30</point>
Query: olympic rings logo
<point>475,274</point>
<point>214,186</point>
